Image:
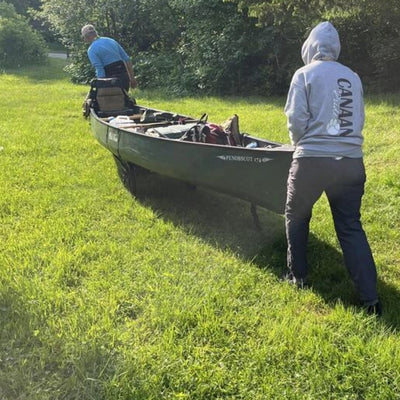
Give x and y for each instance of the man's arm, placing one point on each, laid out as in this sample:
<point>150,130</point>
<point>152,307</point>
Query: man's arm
<point>296,109</point>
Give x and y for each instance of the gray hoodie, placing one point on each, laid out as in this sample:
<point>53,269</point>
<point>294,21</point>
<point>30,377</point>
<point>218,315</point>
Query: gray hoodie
<point>324,107</point>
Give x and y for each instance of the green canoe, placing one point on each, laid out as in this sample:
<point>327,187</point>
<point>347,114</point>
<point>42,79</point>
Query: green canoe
<point>194,151</point>
<point>257,174</point>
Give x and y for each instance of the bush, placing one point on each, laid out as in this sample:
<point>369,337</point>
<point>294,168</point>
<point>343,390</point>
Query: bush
<point>19,44</point>
<point>79,68</point>
<point>155,70</point>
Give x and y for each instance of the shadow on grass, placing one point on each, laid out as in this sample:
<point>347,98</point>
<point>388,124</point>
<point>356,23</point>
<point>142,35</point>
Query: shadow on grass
<point>222,221</point>
<point>226,223</point>
<point>329,278</point>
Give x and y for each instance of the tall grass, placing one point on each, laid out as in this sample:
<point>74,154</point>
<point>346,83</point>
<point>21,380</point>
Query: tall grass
<point>175,295</point>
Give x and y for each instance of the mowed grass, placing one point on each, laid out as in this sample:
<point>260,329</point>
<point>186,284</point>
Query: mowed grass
<point>175,294</point>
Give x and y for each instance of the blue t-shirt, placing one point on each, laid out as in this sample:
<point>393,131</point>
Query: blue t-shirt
<point>104,51</point>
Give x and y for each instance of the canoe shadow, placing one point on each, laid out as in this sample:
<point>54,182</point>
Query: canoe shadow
<point>217,219</point>
<point>227,223</point>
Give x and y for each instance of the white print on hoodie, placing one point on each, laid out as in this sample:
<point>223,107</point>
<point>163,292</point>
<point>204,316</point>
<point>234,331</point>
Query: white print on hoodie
<point>333,127</point>
<point>341,122</point>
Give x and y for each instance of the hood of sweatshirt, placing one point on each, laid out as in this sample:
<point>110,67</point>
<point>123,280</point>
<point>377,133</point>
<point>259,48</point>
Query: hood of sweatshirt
<point>322,44</point>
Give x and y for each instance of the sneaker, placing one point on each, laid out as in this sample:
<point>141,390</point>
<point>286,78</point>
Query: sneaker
<point>292,280</point>
<point>374,309</point>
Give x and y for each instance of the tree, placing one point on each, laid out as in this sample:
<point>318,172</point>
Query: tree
<point>187,46</point>
<point>22,6</point>
<point>140,26</point>
<point>222,49</point>
<point>229,46</point>
<point>19,43</point>
<point>369,32</point>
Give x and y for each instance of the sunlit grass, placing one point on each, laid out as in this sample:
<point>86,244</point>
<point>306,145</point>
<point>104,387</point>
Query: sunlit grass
<point>175,295</point>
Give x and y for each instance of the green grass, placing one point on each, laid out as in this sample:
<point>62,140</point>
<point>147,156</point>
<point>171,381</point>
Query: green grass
<point>175,295</point>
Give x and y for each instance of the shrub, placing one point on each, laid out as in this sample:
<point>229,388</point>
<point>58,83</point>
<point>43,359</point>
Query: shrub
<point>19,43</point>
<point>79,68</point>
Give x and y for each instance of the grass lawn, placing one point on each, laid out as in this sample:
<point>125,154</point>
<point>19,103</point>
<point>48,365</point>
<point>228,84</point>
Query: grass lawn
<point>175,295</point>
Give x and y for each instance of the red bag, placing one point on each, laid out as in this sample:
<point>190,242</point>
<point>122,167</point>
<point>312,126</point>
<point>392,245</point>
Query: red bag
<point>217,135</point>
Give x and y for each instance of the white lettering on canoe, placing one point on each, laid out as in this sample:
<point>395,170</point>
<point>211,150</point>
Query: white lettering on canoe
<point>245,159</point>
<point>113,135</point>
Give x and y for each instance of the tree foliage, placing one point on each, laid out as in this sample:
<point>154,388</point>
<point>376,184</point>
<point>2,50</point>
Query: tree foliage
<point>376,39</point>
<point>19,43</point>
<point>229,46</point>
<point>369,32</point>
<point>22,6</point>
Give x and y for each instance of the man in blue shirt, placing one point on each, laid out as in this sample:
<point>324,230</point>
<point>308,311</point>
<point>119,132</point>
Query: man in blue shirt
<point>108,58</point>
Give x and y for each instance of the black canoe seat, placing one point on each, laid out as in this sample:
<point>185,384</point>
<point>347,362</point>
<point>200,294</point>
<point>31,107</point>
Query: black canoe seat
<point>108,98</point>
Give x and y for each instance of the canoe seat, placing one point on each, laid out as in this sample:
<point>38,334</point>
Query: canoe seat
<point>108,98</point>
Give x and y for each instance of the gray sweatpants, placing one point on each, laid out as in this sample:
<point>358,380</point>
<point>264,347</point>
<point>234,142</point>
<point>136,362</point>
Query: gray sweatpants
<point>343,182</point>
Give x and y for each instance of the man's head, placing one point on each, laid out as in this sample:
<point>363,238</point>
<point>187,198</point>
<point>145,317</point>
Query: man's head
<point>88,33</point>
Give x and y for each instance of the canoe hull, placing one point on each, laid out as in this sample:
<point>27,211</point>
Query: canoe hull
<point>257,175</point>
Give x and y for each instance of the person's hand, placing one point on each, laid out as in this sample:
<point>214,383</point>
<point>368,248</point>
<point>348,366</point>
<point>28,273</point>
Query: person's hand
<point>133,83</point>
